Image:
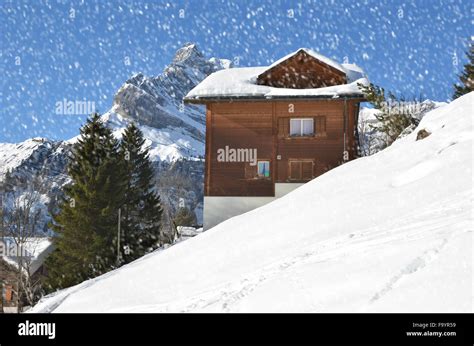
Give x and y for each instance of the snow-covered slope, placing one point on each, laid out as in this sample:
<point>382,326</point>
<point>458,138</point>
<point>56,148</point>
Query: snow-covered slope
<point>13,154</point>
<point>389,232</point>
<point>31,155</point>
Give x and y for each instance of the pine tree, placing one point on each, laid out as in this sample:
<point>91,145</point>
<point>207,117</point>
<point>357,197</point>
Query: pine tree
<point>375,95</point>
<point>391,120</point>
<point>86,224</point>
<point>467,77</point>
<point>141,212</point>
<point>184,217</point>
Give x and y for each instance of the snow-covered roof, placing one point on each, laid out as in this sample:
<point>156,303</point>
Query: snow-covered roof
<point>34,250</point>
<point>240,83</point>
<point>353,72</point>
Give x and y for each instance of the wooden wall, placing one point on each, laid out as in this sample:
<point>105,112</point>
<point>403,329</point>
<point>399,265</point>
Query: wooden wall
<point>259,125</point>
<point>325,150</point>
<point>238,125</point>
<point>302,71</point>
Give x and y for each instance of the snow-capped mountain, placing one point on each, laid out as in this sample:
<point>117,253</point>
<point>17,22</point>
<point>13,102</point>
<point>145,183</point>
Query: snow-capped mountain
<point>39,165</point>
<point>33,155</point>
<point>156,103</point>
<point>386,233</point>
<point>174,132</point>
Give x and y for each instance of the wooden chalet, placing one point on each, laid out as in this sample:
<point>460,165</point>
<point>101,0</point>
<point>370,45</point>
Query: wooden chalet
<point>271,129</point>
<point>21,265</point>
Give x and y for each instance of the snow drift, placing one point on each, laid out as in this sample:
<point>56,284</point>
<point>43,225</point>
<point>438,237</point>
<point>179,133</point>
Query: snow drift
<point>389,232</point>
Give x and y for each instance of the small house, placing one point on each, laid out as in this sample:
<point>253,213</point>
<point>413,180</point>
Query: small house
<point>21,260</point>
<point>271,129</point>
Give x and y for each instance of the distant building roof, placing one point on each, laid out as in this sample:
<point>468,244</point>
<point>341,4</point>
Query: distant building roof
<point>34,249</point>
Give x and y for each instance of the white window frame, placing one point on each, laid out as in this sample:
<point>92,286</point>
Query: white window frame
<point>301,120</point>
<point>269,169</point>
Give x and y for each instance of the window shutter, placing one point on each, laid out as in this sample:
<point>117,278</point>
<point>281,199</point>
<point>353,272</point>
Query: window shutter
<point>283,127</point>
<point>320,126</point>
<point>301,170</point>
<point>295,170</point>
<point>307,170</point>
<point>8,293</point>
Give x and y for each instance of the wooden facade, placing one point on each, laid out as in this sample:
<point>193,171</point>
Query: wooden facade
<point>302,71</point>
<point>297,135</point>
<point>264,125</point>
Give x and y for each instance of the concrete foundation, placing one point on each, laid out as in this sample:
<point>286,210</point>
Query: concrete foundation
<point>218,209</point>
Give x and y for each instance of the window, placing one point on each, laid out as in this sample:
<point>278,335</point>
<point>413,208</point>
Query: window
<point>7,293</point>
<point>301,127</point>
<point>301,169</point>
<point>263,169</point>
<point>259,171</point>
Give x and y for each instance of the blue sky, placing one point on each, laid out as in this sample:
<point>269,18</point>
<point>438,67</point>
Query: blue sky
<point>85,50</point>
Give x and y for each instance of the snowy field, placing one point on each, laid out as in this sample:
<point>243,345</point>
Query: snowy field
<point>390,232</point>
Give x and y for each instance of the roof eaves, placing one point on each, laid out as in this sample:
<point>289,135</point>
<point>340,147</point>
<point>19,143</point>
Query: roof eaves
<point>205,99</point>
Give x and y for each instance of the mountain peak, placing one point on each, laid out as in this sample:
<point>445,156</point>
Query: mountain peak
<point>188,52</point>
<point>136,79</point>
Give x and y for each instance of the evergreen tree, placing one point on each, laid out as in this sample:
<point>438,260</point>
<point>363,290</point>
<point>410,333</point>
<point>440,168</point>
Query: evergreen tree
<point>86,224</point>
<point>392,119</point>
<point>375,95</point>
<point>184,217</point>
<point>141,212</point>
<point>467,77</point>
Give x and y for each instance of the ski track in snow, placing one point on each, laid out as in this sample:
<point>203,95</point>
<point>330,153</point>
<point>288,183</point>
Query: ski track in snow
<point>417,264</point>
